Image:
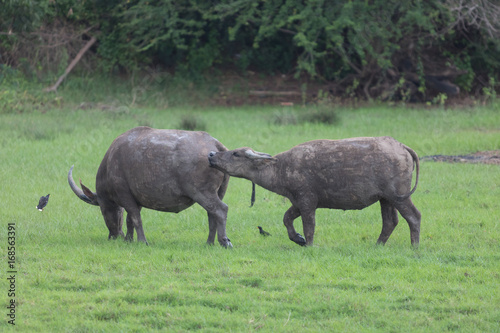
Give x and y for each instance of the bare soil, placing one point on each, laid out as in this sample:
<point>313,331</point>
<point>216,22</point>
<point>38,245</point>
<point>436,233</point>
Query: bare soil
<point>485,157</point>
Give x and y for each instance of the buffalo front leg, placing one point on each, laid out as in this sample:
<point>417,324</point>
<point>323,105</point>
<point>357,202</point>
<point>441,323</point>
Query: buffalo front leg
<point>113,216</point>
<point>389,221</point>
<point>217,216</point>
<point>411,214</point>
<point>290,215</point>
<point>212,229</point>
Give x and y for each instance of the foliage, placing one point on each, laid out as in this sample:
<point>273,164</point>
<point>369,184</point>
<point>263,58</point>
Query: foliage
<point>321,114</point>
<point>23,15</point>
<point>369,45</point>
<point>363,42</point>
<point>19,95</point>
<point>490,91</point>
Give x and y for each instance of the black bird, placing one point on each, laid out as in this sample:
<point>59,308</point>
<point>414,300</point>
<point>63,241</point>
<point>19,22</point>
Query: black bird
<point>263,232</point>
<point>43,202</point>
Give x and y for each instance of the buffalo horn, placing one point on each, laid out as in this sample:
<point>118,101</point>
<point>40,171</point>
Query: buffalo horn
<point>254,155</point>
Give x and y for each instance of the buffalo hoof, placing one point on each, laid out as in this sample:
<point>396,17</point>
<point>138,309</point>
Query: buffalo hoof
<point>299,239</point>
<point>120,234</point>
<point>227,244</point>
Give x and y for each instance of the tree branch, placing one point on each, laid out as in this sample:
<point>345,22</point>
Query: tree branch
<point>72,64</point>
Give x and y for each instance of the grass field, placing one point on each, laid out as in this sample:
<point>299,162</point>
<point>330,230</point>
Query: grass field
<point>70,278</point>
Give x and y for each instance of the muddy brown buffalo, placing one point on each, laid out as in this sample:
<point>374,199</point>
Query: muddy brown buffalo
<point>339,174</point>
<point>164,170</point>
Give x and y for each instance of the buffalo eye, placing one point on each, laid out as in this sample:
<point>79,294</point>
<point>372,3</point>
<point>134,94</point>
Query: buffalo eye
<point>235,154</point>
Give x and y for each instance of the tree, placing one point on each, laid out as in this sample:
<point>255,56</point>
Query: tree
<point>377,48</point>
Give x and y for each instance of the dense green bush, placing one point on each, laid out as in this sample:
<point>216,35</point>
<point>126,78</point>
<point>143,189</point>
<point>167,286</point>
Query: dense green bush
<point>392,49</point>
<point>19,95</point>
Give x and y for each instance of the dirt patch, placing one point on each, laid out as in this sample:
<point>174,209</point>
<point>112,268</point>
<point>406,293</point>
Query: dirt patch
<point>485,157</point>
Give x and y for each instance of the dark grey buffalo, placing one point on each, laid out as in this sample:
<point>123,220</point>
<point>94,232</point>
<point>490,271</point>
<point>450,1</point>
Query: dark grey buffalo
<point>164,170</point>
<point>339,174</point>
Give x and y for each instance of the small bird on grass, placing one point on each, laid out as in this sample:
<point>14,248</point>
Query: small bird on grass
<point>43,202</point>
<point>263,232</point>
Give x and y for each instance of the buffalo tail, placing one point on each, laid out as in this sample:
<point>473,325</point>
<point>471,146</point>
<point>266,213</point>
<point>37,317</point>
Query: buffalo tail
<point>417,164</point>
<point>86,194</point>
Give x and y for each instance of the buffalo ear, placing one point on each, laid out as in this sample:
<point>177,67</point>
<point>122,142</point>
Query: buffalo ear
<point>268,161</point>
<point>87,191</point>
<point>254,155</point>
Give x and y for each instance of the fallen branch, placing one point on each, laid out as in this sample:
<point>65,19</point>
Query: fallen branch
<point>72,64</point>
<point>264,93</point>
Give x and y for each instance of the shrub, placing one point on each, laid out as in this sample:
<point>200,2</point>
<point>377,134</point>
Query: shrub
<point>374,44</point>
<point>190,122</point>
<point>284,117</point>
<point>321,114</point>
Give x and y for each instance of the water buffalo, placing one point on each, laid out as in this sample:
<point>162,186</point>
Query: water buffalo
<point>339,174</point>
<point>164,170</point>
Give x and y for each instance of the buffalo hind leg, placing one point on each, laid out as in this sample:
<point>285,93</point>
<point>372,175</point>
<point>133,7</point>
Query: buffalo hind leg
<point>290,215</point>
<point>129,237</point>
<point>309,224</point>
<point>134,221</point>
<point>113,216</point>
<point>389,220</point>
<point>411,214</point>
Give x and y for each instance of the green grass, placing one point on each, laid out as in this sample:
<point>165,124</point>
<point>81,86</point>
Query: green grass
<point>71,278</point>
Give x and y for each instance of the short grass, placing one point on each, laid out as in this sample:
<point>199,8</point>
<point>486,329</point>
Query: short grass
<point>71,278</point>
